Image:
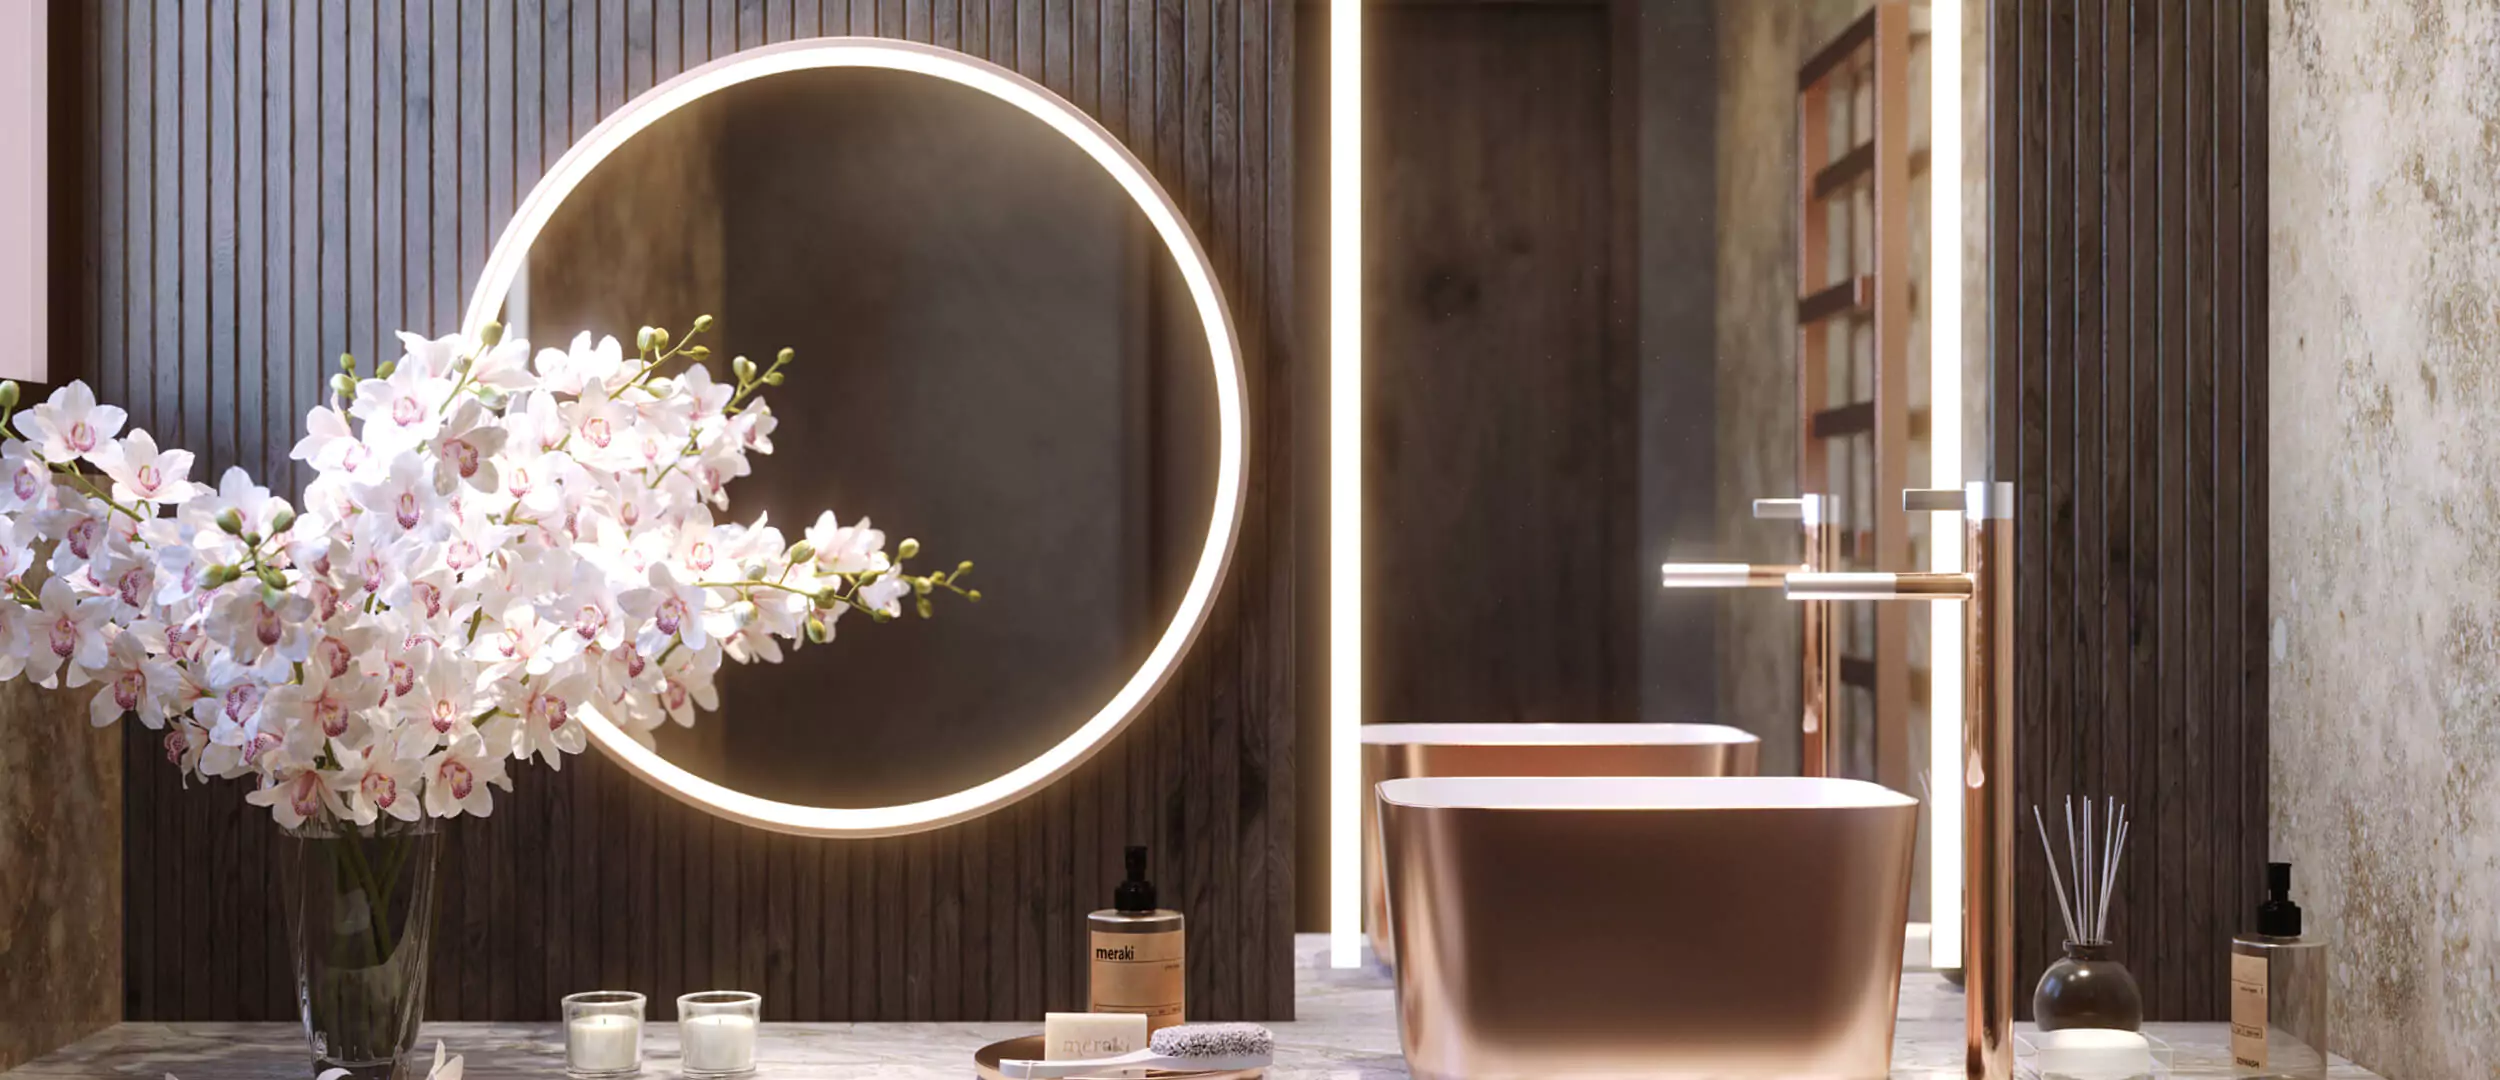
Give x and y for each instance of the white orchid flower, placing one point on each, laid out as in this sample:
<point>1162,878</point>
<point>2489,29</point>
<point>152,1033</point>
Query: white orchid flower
<point>456,778</point>
<point>142,473</point>
<point>70,425</point>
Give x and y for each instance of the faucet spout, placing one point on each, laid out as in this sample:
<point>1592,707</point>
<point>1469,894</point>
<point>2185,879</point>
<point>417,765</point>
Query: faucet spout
<point>1680,575</point>
<point>1875,586</point>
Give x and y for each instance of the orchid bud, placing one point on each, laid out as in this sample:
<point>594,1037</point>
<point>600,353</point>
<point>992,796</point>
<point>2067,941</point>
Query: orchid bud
<point>8,394</point>
<point>271,577</point>
<point>786,355</point>
<point>220,574</point>
<point>925,608</point>
<point>920,586</point>
<point>491,398</point>
<point>702,323</point>
<point>383,370</point>
<point>252,538</point>
<point>347,363</point>
<point>964,567</point>
<point>284,521</point>
<point>744,369</point>
<point>344,384</point>
<point>230,521</point>
<point>491,333</point>
<point>659,337</point>
<point>828,598</point>
<point>974,596</point>
<point>642,339</point>
<point>271,595</point>
<point>802,551</point>
<point>772,378</point>
<point>754,571</point>
<point>908,548</point>
<point>699,352</point>
<point>817,630</point>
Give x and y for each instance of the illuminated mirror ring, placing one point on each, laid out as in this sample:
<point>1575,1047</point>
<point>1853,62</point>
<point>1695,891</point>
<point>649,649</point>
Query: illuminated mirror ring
<point>1232,463</point>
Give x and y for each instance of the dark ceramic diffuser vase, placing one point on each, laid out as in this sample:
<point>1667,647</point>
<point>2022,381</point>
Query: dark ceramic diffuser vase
<point>2087,988</point>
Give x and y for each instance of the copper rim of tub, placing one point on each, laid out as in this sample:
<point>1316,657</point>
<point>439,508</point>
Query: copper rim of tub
<point>1647,926</point>
<point>1399,751</point>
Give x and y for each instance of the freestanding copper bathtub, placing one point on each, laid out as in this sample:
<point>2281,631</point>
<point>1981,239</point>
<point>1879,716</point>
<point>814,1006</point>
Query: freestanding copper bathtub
<point>1647,927</point>
<point>1398,751</point>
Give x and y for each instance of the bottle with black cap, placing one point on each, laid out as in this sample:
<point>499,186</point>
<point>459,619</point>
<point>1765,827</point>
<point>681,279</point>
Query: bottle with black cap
<point>1137,960</point>
<point>2279,990</point>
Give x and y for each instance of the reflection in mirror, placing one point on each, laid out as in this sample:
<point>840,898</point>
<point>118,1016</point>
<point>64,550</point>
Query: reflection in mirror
<point>1628,267</point>
<point>997,356</point>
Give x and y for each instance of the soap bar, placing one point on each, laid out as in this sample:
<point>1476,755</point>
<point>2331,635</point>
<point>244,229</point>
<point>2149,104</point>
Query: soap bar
<point>2094,1054</point>
<point>1073,1036</point>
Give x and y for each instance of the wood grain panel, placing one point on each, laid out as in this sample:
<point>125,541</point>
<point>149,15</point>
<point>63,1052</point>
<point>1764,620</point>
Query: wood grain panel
<point>2128,165</point>
<point>280,181</point>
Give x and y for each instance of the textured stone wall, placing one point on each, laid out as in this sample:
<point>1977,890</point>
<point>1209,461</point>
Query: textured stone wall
<point>2385,391</point>
<point>60,872</point>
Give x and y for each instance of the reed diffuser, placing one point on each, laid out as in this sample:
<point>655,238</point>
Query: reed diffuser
<point>2088,987</point>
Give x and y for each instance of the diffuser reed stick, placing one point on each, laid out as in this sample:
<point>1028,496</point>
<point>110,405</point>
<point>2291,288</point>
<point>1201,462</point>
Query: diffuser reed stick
<point>2092,863</point>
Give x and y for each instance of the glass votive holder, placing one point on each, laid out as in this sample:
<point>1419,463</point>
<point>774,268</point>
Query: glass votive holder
<point>603,1034</point>
<point>716,1033</point>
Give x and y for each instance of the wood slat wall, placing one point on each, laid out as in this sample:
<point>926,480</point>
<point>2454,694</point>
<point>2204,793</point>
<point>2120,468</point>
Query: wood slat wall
<point>2129,272</point>
<point>278,181</point>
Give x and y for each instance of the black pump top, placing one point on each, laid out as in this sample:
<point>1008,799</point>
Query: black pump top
<point>2278,916</point>
<point>1137,895</point>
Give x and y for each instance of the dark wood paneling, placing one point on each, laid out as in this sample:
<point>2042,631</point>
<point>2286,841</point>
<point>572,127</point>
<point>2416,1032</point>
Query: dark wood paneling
<point>280,181</point>
<point>2128,228</point>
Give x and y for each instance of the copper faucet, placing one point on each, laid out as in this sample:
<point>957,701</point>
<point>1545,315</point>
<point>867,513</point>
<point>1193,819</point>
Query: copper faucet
<point>1817,753</point>
<point>1987,590</point>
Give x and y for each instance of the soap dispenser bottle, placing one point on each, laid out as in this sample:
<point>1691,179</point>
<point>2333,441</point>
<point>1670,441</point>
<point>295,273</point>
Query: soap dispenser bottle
<point>1137,961</point>
<point>2278,990</point>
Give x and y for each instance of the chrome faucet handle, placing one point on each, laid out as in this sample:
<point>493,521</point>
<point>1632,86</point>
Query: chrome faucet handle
<point>1809,509</point>
<point>1936,500</point>
<point>1779,509</point>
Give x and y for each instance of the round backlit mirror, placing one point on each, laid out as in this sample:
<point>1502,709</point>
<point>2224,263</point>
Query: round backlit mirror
<point>1009,346</point>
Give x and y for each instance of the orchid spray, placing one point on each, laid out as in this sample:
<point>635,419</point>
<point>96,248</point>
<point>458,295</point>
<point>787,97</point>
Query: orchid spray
<point>493,544</point>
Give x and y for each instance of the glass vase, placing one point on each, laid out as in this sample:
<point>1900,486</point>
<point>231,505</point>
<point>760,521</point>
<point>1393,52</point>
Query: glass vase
<point>360,920</point>
<point>2087,988</point>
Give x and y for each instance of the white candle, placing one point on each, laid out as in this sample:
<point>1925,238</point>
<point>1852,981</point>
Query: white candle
<point>720,1043</point>
<point>604,1042</point>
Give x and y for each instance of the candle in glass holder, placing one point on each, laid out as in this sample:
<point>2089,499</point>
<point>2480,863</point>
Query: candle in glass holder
<point>603,1034</point>
<point>716,1033</point>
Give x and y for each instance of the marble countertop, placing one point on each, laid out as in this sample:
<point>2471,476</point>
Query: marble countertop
<point>1346,1030</point>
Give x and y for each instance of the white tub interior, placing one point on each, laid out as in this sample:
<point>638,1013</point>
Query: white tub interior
<point>1555,734</point>
<point>1639,793</point>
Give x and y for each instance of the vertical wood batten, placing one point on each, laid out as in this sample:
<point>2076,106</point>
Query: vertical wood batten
<point>2129,276</point>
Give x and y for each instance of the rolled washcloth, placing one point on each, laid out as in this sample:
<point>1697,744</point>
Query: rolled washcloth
<point>1182,1048</point>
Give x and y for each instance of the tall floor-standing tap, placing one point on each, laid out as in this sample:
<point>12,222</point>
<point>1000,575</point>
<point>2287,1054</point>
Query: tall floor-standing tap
<point>1817,753</point>
<point>1987,589</point>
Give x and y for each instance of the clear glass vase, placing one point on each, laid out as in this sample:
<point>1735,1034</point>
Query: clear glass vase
<point>360,919</point>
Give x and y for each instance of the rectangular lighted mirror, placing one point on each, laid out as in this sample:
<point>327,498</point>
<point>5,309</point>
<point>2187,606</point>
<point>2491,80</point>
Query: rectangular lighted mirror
<point>24,208</point>
<point>1601,274</point>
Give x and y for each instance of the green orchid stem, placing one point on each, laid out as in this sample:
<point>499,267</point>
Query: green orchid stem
<point>377,894</point>
<point>72,472</point>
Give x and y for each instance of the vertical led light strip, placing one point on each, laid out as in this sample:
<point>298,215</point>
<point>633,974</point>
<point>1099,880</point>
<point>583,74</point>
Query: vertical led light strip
<point>1945,660</point>
<point>1345,482</point>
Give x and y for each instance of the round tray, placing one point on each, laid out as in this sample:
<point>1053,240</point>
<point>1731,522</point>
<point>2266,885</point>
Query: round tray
<point>985,1061</point>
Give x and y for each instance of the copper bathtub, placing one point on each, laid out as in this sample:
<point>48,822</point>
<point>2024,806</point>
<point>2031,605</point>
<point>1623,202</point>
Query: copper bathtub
<point>1744,927</point>
<point>1399,751</point>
